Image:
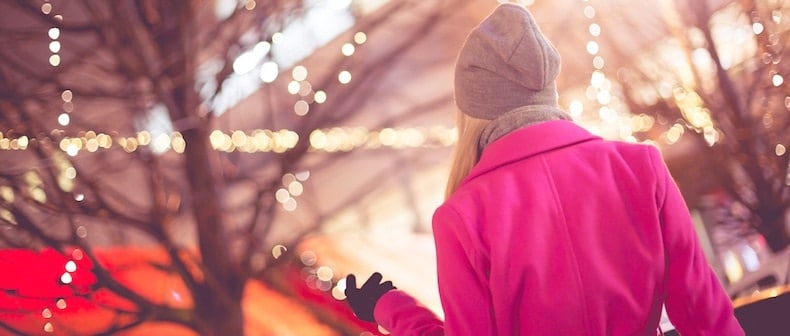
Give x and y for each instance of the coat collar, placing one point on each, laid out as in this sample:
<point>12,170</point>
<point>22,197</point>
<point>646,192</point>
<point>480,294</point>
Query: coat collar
<point>529,141</point>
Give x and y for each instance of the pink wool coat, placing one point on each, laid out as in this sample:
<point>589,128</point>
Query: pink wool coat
<point>559,232</point>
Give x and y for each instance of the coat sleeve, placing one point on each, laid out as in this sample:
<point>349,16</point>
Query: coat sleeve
<point>462,289</point>
<point>462,268</point>
<point>696,303</point>
<point>401,315</point>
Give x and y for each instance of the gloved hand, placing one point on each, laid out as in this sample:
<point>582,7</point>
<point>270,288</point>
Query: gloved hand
<point>362,300</point>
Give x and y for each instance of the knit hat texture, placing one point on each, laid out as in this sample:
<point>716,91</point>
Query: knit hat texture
<point>505,63</point>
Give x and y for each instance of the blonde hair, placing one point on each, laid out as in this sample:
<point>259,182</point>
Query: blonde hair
<point>466,153</point>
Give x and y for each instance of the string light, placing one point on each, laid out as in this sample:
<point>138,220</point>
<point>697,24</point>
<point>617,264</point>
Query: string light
<point>360,38</point>
<point>299,73</point>
<point>48,327</point>
<point>55,47</point>
<point>766,34</point>
<point>599,89</point>
<point>335,139</point>
<point>348,49</point>
<point>344,77</point>
<point>54,35</point>
<point>269,72</point>
<point>291,188</point>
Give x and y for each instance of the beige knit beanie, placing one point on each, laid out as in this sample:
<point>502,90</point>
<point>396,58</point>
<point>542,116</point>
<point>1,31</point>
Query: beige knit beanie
<point>505,63</point>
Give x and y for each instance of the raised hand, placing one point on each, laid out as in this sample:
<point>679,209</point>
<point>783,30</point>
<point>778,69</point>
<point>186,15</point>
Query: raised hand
<point>362,300</point>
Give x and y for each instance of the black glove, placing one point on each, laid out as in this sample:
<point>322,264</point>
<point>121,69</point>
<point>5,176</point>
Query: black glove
<point>362,300</point>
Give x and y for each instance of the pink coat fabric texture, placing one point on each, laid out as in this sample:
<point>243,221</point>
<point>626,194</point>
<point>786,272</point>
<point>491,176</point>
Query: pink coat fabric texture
<point>559,232</point>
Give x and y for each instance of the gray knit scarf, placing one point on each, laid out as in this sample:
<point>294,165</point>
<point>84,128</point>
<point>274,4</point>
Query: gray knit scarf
<point>518,118</point>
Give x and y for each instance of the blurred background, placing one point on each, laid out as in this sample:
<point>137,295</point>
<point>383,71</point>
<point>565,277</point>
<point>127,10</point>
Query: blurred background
<point>218,167</point>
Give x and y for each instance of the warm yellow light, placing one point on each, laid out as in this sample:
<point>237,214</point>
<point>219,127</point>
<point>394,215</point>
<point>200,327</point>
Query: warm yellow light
<point>144,138</point>
<point>388,136</point>
<point>293,87</point>
<point>604,97</point>
<point>23,142</point>
<point>597,79</point>
<point>301,108</point>
<point>777,80</point>
<point>238,138</point>
<point>344,77</point>
<point>54,46</point>
<point>674,133</point>
<point>71,266</point>
<point>261,140</point>
<point>131,144</point>
<point>642,122</point>
<point>299,73</point>
<point>732,267</point>
<point>324,273</point>
<point>177,143</point>
<point>282,195</point>
<point>54,60</point>
<point>66,278</point>
<point>360,38</point>
<point>64,119</point>
<point>70,173</point>
<point>758,28</point>
<point>595,29</point>
<point>320,97</point>
<point>72,149</point>
<point>598,62</point>
<point>53,33</point>
<point>287,139</point>
<point>339,293</point>
<point>277,37</point>
<point>289,204</point>
<point>269,72</point>
<point>92,145</point>
<point>318,139</point>
<point>308,258</point>
<point>589,12</point>
<point>161,143</point>
<point>288,178</point>
<point>305,88</point>
<point>711,135</point>
<point>104,140</point>
<point>216,138</point>
<point>7,216</point>
<point>347,49</point>
<point>6,193</point>
<point>295,188</point>
<point>278,250</point>
<point>592,47</point>
<point>780,150</point>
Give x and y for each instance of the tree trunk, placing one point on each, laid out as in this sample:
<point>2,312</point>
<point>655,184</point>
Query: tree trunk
<point>218,297</point>
<point>219,313</point>
<point>219,288</point>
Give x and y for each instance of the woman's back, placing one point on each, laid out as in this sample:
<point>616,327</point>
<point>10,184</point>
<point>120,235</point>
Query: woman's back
<point>570,229</point>
<point>567,237</point>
